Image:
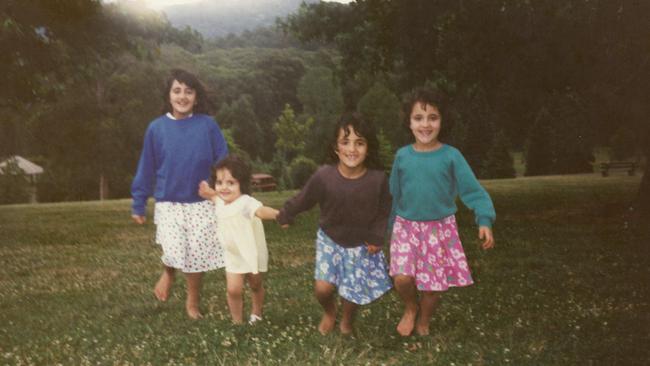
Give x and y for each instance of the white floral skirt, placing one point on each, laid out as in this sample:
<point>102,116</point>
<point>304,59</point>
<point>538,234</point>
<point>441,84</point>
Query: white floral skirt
<point>187,233</point>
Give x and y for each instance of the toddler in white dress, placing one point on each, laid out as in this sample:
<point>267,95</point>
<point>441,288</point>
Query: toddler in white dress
<point>240,231</point>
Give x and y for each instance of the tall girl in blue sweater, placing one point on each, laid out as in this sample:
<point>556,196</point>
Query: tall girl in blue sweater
<point>179,149</point>
<point>427,256</point>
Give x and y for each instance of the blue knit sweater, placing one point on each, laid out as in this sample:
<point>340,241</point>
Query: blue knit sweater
<point>177,155</point>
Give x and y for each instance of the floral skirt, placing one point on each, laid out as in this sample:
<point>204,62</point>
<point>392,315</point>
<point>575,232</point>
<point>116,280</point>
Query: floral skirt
<point>187,234</point>
<point>360,277</point>
<point>431,252</point>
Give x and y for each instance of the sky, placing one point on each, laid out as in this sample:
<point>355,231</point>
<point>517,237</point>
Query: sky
<point>159,4</point>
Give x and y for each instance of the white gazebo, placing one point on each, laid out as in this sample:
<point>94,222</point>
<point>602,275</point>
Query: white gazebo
<point>30,170</point>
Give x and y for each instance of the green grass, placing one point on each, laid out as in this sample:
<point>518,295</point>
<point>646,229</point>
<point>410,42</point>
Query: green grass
<point>567,284</point>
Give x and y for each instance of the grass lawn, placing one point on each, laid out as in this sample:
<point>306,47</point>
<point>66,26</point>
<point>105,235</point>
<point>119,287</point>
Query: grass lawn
<point>567,284</point>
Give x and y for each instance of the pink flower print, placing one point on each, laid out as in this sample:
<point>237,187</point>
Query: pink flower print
<point>401,260</point>
<point>456,253</point>
<point>462,280</point>
<point>420,264</point>
<point>447,233</point>
<point>439,272</point>
<point>462,265</point>
<point>423,277</point>
<point>403,248</point>
<point>431,259</point>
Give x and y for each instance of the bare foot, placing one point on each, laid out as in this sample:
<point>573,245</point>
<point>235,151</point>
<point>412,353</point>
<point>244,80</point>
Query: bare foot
<point>346,328</point>
<point>406,324</point>
<point>421,328</point>
<point>161,290</point>
<point>193,311</point>
<point>327,323</point>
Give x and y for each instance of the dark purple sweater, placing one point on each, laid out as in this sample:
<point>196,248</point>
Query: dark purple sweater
<point>353,212</point>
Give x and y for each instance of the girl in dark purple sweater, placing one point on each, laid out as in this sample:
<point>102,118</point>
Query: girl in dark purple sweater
<point>354,202</point>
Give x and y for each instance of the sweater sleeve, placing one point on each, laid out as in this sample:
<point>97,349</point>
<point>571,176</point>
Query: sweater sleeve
<point>143,182</point>
<point>303,201</point>
<point>472,193</point>
<point>395,191</point>
<point>380,221</point>
<point>219,144</point>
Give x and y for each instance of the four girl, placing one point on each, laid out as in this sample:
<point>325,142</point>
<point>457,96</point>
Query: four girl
<point>427,256</point>
<point>352,193</point>
<point>241,233</point>
<point>354,196</point>
<point>179,149</point>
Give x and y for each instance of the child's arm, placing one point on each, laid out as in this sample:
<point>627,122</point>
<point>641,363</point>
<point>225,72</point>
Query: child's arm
<point>303,201</point>
<point>267,213</point>
<point>485,233</point>
<point>206,192</point>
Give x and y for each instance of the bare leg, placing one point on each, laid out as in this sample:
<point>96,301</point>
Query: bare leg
<point>255,282</point>
<point>324,292</point>
<point>161,290</point>
<point>235,295</point>
<point>193,294</point>
<point>428,301</point>
<point>407,291</point>
<point>347,318</point>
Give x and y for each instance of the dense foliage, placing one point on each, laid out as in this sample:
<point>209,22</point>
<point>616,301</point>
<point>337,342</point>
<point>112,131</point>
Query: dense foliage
<point>81,81</point>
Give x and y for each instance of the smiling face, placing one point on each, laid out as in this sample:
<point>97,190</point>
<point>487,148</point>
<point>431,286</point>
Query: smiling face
<point>182,99</point>
<point>351,151</point>
<point>227,186</point>
<point>425,125</point>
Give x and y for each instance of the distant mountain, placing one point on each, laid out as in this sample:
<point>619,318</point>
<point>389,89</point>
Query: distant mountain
<point>217,18</point>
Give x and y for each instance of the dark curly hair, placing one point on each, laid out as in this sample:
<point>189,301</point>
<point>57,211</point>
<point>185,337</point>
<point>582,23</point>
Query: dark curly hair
<point>425,96</point>
<point>364,128</point>
<point>237,168</point>
<point>189,79</point>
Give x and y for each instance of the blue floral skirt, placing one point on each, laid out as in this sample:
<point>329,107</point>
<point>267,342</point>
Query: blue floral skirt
<point>360,277</point>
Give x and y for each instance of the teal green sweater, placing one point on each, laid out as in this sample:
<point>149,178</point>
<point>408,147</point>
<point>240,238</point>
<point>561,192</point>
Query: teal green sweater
<point>424,186</point>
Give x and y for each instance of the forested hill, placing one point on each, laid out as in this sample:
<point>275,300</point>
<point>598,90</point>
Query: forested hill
<point>218,18</point>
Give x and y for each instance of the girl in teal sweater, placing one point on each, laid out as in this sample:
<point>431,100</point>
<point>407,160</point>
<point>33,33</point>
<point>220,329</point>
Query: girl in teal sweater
<point>426,253</point>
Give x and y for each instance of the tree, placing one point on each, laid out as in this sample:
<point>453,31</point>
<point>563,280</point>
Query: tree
<point>290,143</point>
<point>321,99</point>
<point>499,163</point>
<point>538,153</point>
<point>244,125</point>
<point>382,107</point>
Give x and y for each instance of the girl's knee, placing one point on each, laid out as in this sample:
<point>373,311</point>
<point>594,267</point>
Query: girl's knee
<point>323,289</point>
<point>235,290</point>
<point>403,282</point>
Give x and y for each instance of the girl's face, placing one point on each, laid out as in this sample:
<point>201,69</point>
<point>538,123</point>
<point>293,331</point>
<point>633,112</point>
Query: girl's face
<point>351,150</point>
<point>227,186</point>
<point>425,125</point>
<point>182,99</point>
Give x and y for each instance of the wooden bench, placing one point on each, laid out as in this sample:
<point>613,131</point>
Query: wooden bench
<point>629,166</point>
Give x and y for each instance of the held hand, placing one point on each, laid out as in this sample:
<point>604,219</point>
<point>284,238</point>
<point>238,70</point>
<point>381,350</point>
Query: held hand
<point>205,191</point>
<point>139,219</point>
<point>485,233</point>
<point>372,249</point>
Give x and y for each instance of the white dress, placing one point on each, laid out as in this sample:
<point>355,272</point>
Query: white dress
<point>241,234</point>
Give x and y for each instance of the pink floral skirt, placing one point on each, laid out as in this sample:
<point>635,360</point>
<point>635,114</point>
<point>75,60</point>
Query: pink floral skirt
<point>431,252</point>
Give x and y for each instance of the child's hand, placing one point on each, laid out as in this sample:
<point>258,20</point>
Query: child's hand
<point>485,233</point>
<point>139,219</point>
<point>205,191</point>
<point>372,249</point>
